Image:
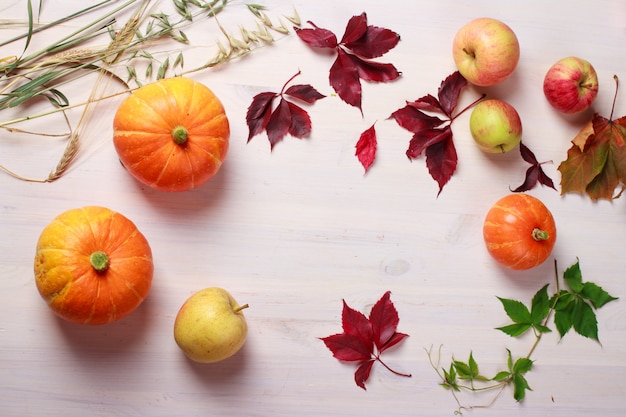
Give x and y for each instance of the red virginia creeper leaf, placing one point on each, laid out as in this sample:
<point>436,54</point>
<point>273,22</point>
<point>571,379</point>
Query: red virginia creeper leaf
<point>355,29</point>
<point>347,347</point>
<point>259,113</point>
<point>365,338</point>
<point>358,42</point>
<point>362,373</point>
<point>317,37</point>
<point>300,121</point>
<point>432,135</point>
<point>441,159</point>
<point>279,123</point>
<point>384,319</point>
<point>414,120</point>
<point>375,42</point>
<point>534,174</point>
<point>344,78</point>
<point>366,148</point>
<point>393,340</point>
<point>286,118</point>
<point>449,92</point>
<point>374,71</point>
<point>304,92</point>
<point>356,324</point>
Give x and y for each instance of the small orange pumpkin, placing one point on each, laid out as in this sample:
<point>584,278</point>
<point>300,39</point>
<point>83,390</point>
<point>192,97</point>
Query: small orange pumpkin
<point>172,134</point>
<point>92,265</point>
<point>519,231</point>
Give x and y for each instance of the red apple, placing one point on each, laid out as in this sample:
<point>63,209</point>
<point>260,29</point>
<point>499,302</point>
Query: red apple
<point>571,85</point>
<point>486,51</point>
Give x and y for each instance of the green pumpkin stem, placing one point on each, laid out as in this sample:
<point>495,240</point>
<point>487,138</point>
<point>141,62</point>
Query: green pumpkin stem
<point>99,261</point>
<point>540,235</point>
<point>179,134</point>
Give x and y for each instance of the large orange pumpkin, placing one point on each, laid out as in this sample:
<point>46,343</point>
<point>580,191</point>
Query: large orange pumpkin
<point>519,231</point>
<point>92,265</point>
<point>172,134</point>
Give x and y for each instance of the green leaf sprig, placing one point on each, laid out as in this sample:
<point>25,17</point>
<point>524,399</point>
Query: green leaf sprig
<point>573,307</point>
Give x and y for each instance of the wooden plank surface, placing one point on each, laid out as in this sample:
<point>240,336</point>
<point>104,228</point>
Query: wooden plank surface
<point>295,230</point>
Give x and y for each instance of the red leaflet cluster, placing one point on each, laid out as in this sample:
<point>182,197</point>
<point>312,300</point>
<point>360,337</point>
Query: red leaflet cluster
<point>286,118</point>
<point>432,135</point>
<point>359,45</point>
<point>364,339</point>
<point>534,174</point>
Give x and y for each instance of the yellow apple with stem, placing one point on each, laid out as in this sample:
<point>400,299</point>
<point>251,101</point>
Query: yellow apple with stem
<point>496,126</point>
<point>210,326</point>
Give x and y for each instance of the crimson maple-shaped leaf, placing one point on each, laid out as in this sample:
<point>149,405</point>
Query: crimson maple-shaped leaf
<point>366,148</point>
<point>364,339</point>
<point>359,44</point>
<point>430,120</point>
<point>534,174</point>
<point>286,118</point>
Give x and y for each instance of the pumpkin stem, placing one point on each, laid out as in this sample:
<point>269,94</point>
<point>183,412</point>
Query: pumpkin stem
<point>99,261</point>
<point>179,134</point>
<point>540,235</point>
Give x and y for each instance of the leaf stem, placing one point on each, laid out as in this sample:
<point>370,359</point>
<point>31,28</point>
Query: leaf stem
<point>469,106</point>
<point>377,357</point>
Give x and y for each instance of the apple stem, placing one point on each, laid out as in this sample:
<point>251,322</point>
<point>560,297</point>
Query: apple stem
<point>540,235</point>
<point>472,104</point>
<point>238,309</point>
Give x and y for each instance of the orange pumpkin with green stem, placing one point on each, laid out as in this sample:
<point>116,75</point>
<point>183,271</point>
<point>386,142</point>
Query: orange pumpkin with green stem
<point>93,266</point>
<point>172,134</point>
<point>519,231</point>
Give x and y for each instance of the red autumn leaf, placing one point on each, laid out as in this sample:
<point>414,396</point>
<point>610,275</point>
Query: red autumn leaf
<point>359,44</point>
<point>432,134</point>
<point>304,92</point>
<point>534,174</point>
<point>364,339</point>
<point>366,148</point>
<point>596,162</point>
<point>286,118</point>
<point>363,371</point>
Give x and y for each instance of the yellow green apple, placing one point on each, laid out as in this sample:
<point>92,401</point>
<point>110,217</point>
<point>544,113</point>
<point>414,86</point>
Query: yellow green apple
<point>486,51</point>
<point>495,126</point>
<point>210,326</point>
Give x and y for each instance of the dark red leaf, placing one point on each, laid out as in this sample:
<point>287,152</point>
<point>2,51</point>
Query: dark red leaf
<point>317,37</point>
<point>344,78</point>
<point>423,139</point>
<point>394,340</point>
<point>374,71</point>
<point>347,347</point>
<point>300,121</point>
<point>279,123</point>
<point>362,373</point>
<point>534,174</point>
<point>384,319</point>
<point>304,92</point>
<point>441,159</point>
<point>450,90</point>
<point>415,120</point>
<point>259,113</point>
<point>366,148</point>
<point>374,43</point>
<point>355,29</point>
<point>427,103</point>
<point>527,154</point>
<point>365,338</point>
<point>356,324</point>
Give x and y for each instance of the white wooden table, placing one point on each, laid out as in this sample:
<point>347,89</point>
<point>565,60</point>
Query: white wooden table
<point>294,231</point>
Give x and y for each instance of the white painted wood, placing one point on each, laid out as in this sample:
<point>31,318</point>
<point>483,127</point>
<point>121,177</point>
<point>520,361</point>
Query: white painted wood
<point>294,231</point>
